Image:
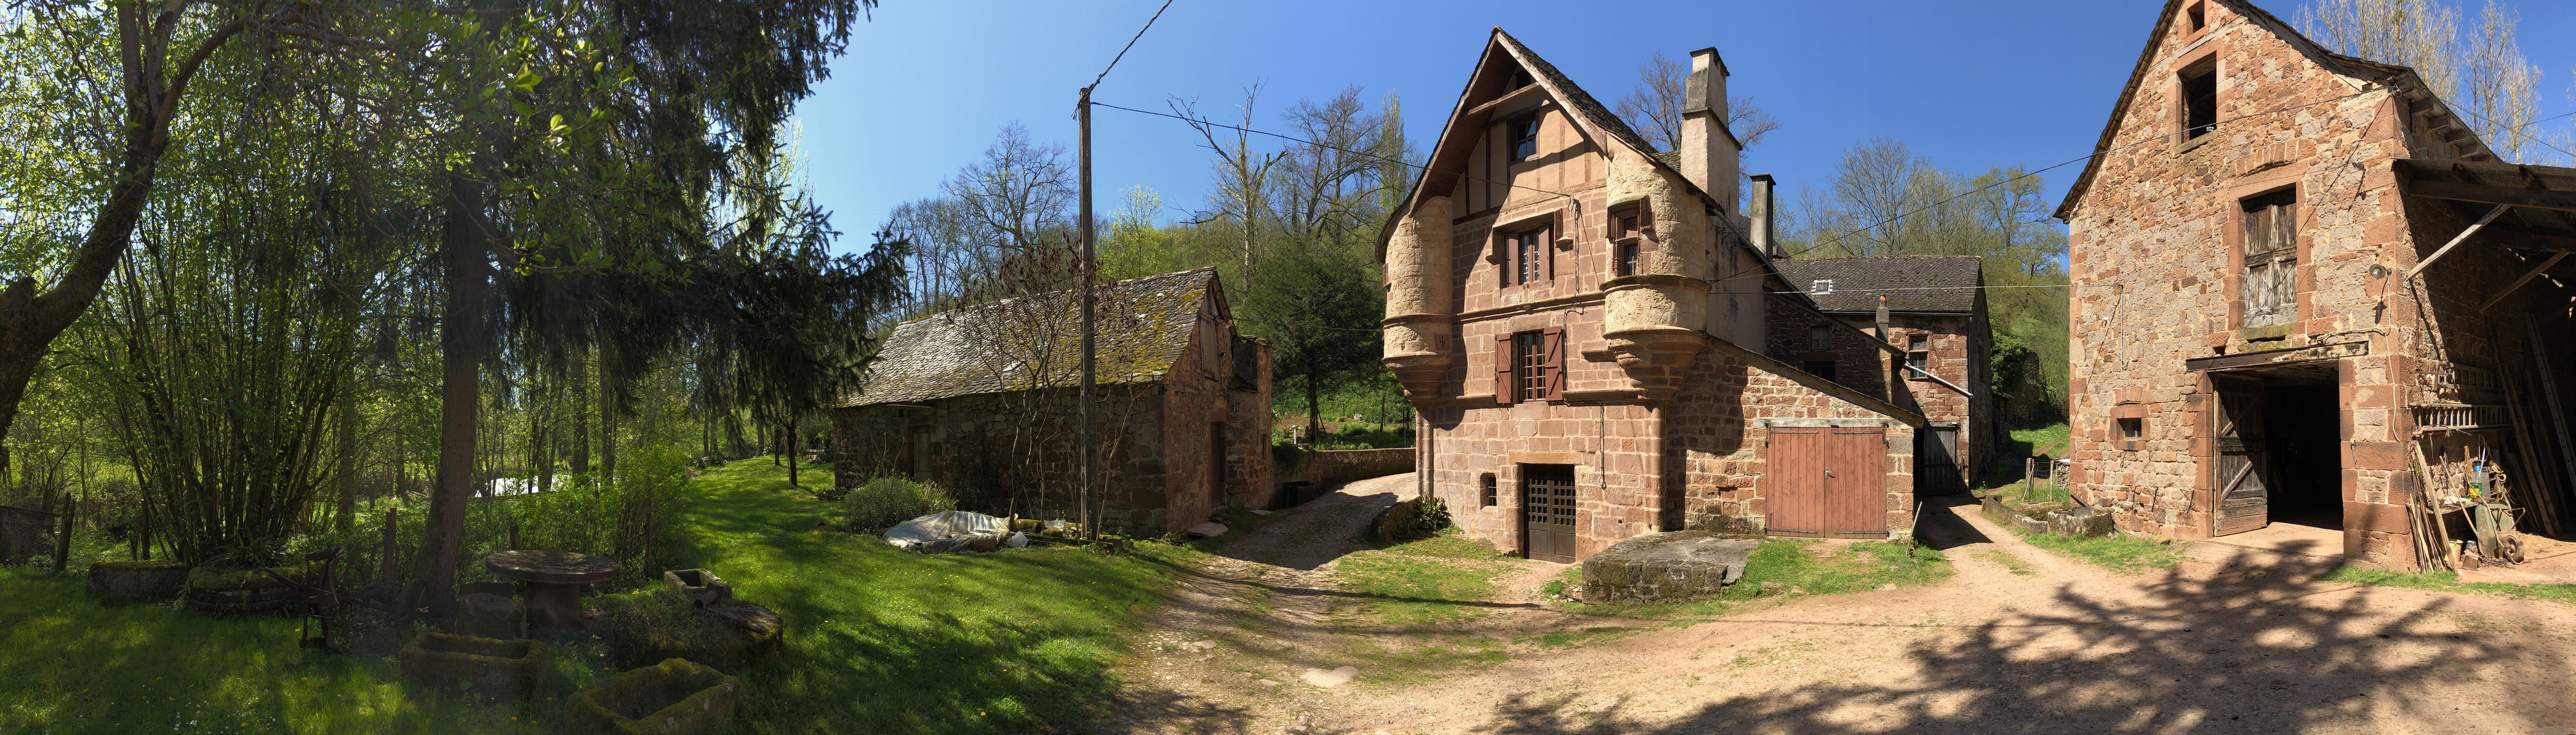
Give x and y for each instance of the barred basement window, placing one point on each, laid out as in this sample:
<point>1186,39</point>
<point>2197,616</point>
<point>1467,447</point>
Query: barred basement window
<point>1485,495</point>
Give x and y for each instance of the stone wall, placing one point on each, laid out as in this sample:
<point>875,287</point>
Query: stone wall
<point>1718,430</point>
<point>1344,465</point>
<point>2155,253</point>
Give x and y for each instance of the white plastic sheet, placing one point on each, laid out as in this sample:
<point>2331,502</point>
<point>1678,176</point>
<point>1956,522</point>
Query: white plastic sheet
<point>946,524</point>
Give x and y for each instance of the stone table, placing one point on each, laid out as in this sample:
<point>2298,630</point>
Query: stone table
<point>554,581</point>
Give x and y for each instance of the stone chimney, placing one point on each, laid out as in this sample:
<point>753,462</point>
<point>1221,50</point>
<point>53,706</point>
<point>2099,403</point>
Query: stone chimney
<point>1764,210</point>
<point>1708,150</point>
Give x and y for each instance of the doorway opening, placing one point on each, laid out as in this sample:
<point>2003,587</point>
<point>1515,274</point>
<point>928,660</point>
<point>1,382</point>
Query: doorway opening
<point>2280,458</point>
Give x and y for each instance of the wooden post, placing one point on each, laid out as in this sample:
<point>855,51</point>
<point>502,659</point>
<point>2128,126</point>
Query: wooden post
<point>1090,439</point>
<point>2025,479</point>
<point>386,555</point>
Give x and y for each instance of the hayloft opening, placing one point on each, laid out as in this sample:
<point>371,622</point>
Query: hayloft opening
<point>2200,99</point>
<point>2199,14</point>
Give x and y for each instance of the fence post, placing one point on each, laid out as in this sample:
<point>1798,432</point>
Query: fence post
<point>2026,487</point>
<point>63,542</point>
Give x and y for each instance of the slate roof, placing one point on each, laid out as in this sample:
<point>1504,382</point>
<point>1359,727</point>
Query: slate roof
<point>1576,99</point>
<point>1143,326</point>
<point>1919,283</point>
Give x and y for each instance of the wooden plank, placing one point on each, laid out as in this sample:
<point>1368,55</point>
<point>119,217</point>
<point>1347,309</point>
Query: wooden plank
<point>2334,351</point>
<point>2526,278</point>
<point>1508,99</point>
<point>2499,195</point>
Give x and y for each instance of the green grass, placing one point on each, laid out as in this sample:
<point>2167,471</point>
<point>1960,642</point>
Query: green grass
<point>877,640</point>
<point>2009,562</point>
<point>2450,582</point>
<point>2005,468</point>
<point>2123,554</point>
<point>1789,567</point>
<point>1426,583</point>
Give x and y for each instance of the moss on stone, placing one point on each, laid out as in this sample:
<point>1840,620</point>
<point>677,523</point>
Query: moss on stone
<point>497,670</point>
<point>674,697</point>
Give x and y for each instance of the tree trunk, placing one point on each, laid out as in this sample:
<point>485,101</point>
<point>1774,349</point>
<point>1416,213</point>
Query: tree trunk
<point>607,416</point>
<point>348,439</point>
<point>1314,415</point>
<point>461,345</point>
<point>580,416</point>
<point>787,442</point>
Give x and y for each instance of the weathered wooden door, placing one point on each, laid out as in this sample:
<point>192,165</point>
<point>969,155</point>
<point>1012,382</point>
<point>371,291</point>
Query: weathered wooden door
<point>1796,458</point>
<point>1856,483</point>
<point>1216,462</point>
<point>1547,511</point>
<point>2244,490</point>
<point>1937,468</point>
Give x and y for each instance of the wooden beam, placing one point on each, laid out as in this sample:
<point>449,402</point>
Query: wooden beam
<point>2526,278</point>
<point>2455,241</point>
<point>2334,351</point>
<point>1515,96</point>
<point>2485,194</point>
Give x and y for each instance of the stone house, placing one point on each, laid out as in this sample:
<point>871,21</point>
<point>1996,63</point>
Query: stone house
<point>983,401</point>
<point>2298,300</point>
<point>1934,306</point>
<point>1578,321</point>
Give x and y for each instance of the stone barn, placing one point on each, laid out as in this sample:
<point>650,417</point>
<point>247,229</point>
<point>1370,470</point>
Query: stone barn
<point>2311,305</point>
<point>982,401</point>
<point>1579,320</point>
<point>1934,306</point>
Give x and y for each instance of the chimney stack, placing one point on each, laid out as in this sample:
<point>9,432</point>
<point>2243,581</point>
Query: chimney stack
<point>1708,150</point>
<point>1765,213</point>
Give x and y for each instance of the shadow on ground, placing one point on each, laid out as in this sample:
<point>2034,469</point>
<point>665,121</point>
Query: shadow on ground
<point>2240,649</point>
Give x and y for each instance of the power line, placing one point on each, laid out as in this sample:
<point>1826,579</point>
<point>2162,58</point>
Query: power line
<point>1131,43</point>
<point>1294,139</point>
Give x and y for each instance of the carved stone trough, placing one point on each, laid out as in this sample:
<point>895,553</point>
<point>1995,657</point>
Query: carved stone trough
<point>674,697</point>
<point>133,581</point>
<point>698,586</point>
<point>499,671</point>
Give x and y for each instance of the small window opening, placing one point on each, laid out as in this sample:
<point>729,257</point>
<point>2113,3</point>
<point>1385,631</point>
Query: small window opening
<point>1820,338</point>
<point>1918,354</point>
<point>1485,494</point>
<point>1625,229</point>
<point>1524,139</point>
<point>1529,365</point>
<point>1820,368</point>
<point>2200,101</point>
<point>2199,16</point>
<point>1522,79</point>
<point>1821,285</point>
<point>2133,428</point>
<point>1919,361</point>
<point>1918,343</point>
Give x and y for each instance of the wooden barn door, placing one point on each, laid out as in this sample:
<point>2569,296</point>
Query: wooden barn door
<point>2244,495</point>
<point>1856,483</point>
<point>1796,475</point>
<point>1547,511</point>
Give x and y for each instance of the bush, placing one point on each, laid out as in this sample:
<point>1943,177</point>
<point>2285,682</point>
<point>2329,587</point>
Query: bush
<point>886,501</point>
<point>1428,520</point>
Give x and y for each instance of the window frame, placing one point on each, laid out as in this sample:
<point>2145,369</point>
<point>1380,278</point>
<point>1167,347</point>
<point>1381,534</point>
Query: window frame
<point>1629,227</point>
<point>2267,279</point>
<point>1528,254</point>
<point>2193,105</point>
<point>1520,132</point>
<point>1524,374</point>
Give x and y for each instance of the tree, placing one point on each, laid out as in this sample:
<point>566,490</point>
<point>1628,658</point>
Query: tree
<point>2480,70</point>
<point>1315,305</point>
<point>1019,193</point>
<point>1654,108</point>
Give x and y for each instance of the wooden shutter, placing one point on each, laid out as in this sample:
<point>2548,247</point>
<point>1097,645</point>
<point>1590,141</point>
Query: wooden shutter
<point>1546,254</point>
<point>2268,288</point>
<point>1554,344</point>
<point>1504,390</point>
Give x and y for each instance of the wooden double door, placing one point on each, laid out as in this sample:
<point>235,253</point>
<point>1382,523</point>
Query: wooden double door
<point>1547,512</point>
<point>1827,482</point>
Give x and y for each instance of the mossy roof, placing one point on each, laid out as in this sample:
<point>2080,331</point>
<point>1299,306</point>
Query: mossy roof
<point>1918,283</point>
<point>1143,325</point>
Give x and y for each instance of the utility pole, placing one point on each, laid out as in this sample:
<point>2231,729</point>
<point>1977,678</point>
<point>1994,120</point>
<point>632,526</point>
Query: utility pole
<point>1090,439</point>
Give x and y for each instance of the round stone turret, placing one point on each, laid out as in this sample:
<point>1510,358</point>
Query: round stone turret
<point>1656,318</point>
<point>1420,320</point>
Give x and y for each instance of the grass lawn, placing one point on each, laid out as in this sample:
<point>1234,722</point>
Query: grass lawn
<point>2450,582</point>
<point>878,640</point>
<point>1429,588</point>
<point>2123,554</point>
<point>1789,567</point>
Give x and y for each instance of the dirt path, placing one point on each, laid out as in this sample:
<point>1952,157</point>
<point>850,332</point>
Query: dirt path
<point>2246,644</point>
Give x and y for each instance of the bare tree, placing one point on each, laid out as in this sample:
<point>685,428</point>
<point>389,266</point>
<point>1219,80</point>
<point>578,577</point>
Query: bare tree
<point>1018,192</point>
<point>2480,70</point>
<point>1654,108</point>
<point>1243,184</point>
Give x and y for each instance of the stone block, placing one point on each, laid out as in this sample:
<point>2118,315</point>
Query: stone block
<point>674,697</point>
<point>486,615</point>
<point>1665,566</point>
<point>132,581</point>
<point>499,671</point>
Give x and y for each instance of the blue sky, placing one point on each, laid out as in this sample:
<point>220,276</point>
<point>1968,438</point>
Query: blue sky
<point>1971,85</point>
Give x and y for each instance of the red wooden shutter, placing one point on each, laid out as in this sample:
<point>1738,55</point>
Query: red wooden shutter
<point>1554,343</point>
<point>1504,390</point>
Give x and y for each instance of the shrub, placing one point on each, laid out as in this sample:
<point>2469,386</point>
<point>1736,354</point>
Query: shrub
<point>885,501</point>
<point>1428,520</point>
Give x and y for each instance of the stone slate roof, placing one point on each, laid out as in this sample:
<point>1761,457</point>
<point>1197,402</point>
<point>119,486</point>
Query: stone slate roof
<point>1931,283</point>
<point>1577,100</point>
<point>1030,342</point>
